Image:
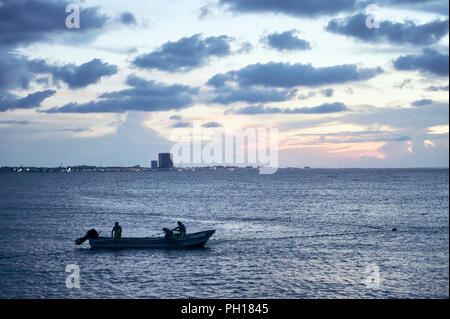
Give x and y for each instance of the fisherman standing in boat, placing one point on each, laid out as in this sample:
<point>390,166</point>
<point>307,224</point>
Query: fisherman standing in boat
<point>116,231</point>
<point>181,228</point>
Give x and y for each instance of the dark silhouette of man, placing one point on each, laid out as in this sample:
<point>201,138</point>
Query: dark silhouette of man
<point>181,228</point>
<point>169,233</point>
<point>116,231</point>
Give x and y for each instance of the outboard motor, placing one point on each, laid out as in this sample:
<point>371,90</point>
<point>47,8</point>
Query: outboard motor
<point>92,233</point>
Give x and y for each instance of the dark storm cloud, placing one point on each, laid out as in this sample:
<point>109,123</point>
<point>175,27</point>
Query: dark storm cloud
<point>12,102</point>
<point>414,118</point>
<point>144,96</point>
<point>395,33</point>
<point>128,18</point>
<point>321,109</point>
<point>304,8</point>
<point>73,130</point>
<point>422,102</point>
<point>252,82</point>
<point>306,96</point>
<point>401,138</point>
<point>286,75</point>
<point>15,122</point>
<point>204,12</point>
<point>212,124</point>
<point>80,76</point>
<point>246,47</point>
<point>405,1</point>
<point>185,54</point>
<point>255,109</point>
<point>430,61</point>
<point>17,72</point>
<point>327,92</point>
<point>218,80</point>
<point>356,137</point>
<point>434,6</point>
<point>286,41</point>
<point>28,21</point>
<point>437,88</point>
<point>181,125</point>
<point>228,95</point>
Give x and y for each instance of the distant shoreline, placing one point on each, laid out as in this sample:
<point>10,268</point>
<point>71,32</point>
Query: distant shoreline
<point>92,169</point>
<point>137,169</point>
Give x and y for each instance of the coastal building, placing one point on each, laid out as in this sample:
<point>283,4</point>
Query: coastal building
<point>154,164</point>
<point>165,160</point>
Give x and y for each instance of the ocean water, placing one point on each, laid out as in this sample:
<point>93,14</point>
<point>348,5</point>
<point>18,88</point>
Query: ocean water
<point>319,233</point>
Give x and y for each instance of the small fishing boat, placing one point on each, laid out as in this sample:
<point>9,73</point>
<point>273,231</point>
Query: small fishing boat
<point>188,241</point>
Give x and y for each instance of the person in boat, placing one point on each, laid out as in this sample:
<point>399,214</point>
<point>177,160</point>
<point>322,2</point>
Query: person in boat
<point>181,229</point>
<point>169,233</point>
<point>116,231</point>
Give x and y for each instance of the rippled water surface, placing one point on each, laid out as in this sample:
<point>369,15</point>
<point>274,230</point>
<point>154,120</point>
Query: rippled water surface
<point>295,234</point>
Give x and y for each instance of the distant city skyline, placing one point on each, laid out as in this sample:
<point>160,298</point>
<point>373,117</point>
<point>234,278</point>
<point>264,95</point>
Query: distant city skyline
<point>347,83</point>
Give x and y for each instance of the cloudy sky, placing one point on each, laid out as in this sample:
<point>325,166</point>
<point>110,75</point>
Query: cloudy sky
<point>347,83</point>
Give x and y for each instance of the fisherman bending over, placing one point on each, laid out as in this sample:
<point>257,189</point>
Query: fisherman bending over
<point>169,233</point>
<point>116,231</point>
<point>181,228</point>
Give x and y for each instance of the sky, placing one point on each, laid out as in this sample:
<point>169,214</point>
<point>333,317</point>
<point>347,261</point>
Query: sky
<point>347,83</point>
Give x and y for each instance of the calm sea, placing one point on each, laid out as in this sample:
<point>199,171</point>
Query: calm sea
<point>294,234</point>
